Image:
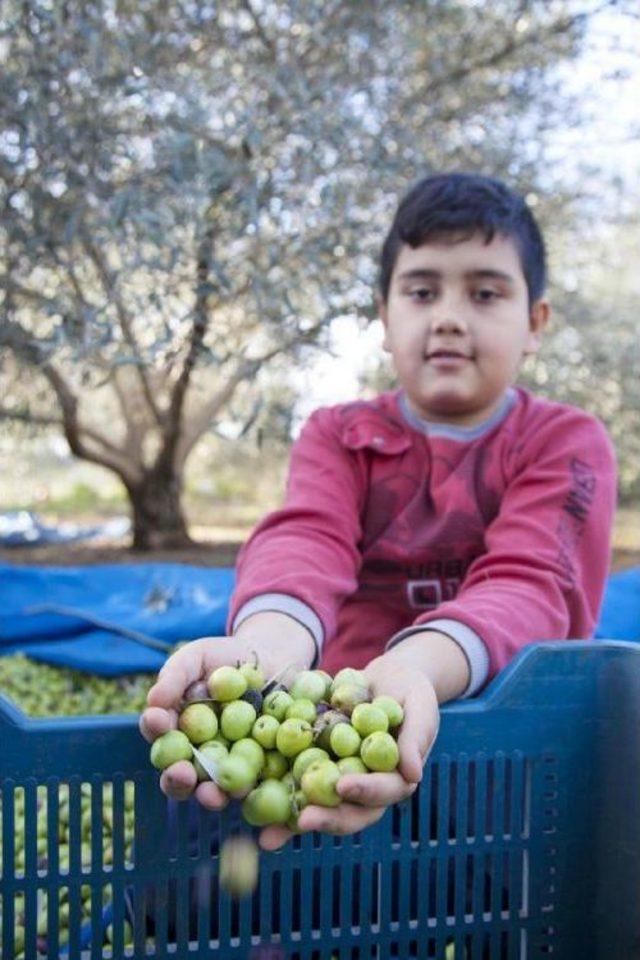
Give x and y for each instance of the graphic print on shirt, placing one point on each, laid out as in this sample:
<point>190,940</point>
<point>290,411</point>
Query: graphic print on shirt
<point>575,513</point>
<point>398,509</point>
<point>416,547</point>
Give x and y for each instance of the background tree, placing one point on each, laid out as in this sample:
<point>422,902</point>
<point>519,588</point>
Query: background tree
<point>592,356</point>
<point>191,192</point>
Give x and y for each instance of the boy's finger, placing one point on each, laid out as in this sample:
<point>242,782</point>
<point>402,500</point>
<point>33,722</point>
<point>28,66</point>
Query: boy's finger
<point>179,780</point>
<point>417,735</point>
<point>374,789</point>
<point>272,838</point>
<point>181,669</point>
<point>347,818</point>
<point>155,721</point>
<point>211,796</point>
<point>195,661</point>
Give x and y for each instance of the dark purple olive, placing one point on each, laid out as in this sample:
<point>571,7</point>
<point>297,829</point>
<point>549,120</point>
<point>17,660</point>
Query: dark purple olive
<point>254,697</point>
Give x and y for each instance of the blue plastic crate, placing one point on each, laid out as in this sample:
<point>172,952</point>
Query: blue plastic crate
<point>522,841</point>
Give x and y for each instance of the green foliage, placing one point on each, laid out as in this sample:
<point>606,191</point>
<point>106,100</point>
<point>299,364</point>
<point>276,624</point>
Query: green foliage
<point>131,135</point>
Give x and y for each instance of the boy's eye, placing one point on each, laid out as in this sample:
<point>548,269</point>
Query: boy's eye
<point>423,294</point>
<point>486,295</point>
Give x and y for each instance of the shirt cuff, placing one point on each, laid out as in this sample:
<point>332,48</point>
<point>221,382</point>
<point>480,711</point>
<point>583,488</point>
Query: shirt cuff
<point>292,607</point>
<point>473,646</point>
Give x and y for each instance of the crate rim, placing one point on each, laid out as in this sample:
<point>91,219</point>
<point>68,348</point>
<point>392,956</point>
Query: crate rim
<point>499,690</point>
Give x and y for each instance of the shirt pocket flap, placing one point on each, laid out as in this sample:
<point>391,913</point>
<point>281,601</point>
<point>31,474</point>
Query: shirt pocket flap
<point>376,436</point>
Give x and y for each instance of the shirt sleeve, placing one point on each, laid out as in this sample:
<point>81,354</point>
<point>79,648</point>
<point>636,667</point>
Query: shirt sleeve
<point>547,556</point>
<point>304,557</point>
<point>472,645</point>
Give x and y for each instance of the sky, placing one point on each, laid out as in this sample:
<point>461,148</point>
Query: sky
<point>607,79</point>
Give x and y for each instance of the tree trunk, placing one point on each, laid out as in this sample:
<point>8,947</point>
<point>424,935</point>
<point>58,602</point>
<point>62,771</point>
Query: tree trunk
<point>157,517</point>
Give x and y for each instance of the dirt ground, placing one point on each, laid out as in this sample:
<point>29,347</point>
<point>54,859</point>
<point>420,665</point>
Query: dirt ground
<point>206,554</point>
<point>218,553</point>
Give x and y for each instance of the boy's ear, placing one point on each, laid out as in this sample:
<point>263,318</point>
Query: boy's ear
<point>382,313</point>
<point>539,316</point>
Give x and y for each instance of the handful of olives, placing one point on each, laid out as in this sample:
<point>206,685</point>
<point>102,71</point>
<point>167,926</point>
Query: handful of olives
<point>279,747</point>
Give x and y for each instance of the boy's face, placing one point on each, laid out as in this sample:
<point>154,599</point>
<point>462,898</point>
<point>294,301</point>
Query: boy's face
<point>457,324</point>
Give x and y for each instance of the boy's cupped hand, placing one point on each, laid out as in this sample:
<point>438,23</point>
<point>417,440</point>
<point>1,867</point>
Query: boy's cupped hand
<point>192,662</point>
<point>366,796</point>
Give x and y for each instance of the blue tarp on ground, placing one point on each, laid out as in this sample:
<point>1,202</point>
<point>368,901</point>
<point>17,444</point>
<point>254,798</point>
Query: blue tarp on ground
<point>115,619</point>
<point>22,528</point>
<point>110,619</point>
<point>620,617</point>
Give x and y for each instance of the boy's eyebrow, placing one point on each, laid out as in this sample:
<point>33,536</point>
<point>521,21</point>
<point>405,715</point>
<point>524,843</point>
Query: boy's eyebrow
<point>421,273</point>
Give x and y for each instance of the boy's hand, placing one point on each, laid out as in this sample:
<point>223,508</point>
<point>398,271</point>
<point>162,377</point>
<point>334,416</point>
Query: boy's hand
<point>276,639</point>
<point>420,673</point>
<point>366,796</point>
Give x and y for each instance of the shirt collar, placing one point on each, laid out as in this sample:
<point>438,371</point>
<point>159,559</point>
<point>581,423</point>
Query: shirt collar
<point>449,430</point>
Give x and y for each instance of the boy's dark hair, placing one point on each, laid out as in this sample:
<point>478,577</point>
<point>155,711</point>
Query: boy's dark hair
<point>465,203</point>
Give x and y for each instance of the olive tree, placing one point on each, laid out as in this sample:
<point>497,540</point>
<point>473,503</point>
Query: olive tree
<point>191,192</point>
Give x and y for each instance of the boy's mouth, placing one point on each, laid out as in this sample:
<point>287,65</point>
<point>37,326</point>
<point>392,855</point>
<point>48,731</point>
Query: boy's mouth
<point>447,355</point>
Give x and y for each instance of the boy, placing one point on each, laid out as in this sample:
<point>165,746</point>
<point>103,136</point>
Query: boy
<point>429,534</point>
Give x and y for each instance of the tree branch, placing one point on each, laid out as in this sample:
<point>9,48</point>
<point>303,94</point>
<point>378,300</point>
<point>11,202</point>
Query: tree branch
<point>202,314</point>
<point>134,413</point>
<point>296,76</point>
<point>198,331</point>
<point>18,340</point>
<point>40,420</point>
<point>245,368</point>
<point>109,456</point>
<point>509,47</point>
<point>11,287</point>
<point>110,286</point>
<point>260,30</point>
<point>23,416</point>
<point>201,422</point>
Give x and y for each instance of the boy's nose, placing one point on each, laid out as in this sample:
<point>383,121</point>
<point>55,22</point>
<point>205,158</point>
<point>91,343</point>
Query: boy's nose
<point>448,322</point>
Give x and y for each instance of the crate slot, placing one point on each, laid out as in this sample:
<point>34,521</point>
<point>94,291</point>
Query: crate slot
<point>525,908</point>
<point>433,803</point>
<point>525,832</point>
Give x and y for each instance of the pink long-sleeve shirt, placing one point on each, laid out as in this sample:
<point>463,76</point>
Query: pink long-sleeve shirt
<point>497,535</point>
